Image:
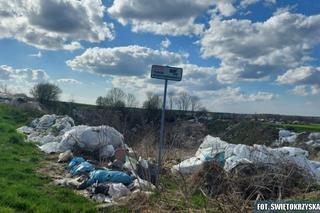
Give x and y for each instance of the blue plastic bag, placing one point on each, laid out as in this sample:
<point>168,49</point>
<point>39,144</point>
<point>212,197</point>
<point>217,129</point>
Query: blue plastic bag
<point>84,167</point>
<point>100,176</point>
<point>120,177</point>
<point>103,176</point>
<point>74,162</point>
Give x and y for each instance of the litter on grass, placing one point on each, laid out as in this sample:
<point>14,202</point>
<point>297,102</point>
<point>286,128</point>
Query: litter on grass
<point>105,181</point>
<point>57,134</point>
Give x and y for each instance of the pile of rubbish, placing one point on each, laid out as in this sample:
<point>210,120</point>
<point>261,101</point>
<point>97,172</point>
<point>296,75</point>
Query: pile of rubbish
<point>252,182</point>
<point>111,170</point>
<point>289,137</point>
<point>46,130</point>
<point>286,136</point>
<point>101,183</point>
<point>231,156</point>
<point>57,134</point>
<point>314,139</point>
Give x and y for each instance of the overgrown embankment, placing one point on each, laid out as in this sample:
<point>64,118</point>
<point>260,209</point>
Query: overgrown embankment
<point>22,188</point>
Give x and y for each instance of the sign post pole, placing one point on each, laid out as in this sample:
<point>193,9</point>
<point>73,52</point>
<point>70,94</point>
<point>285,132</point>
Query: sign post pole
<point>162,132</point>
<point>166,73</point>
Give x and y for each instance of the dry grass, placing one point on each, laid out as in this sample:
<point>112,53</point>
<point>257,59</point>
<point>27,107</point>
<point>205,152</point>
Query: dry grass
<point>237,190</point>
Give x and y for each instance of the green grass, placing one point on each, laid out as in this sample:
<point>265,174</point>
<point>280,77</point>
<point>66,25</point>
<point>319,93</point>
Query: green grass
<point>22,189</point>
<point>301,127</point>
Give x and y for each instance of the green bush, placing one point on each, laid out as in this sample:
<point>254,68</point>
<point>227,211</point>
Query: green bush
<point>16,139</point>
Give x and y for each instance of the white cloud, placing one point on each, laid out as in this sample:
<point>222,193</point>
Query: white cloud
<point>54,24</point>
<point>230,7</point>
<point>306,90</point>
<point>250,50</point>
<point>195,78</point>
<point>21,80</point>
<point>172,17</point>
<point>37,55</point>
<point>300,90</point>
<point>246,3</point>
<point>315,89</point>
<point>166,17</point>
<point>69,81</point>
<point>130,60</point>
<point>301,75</point>
<point>200,81</point>
<point>129,69</point>
<point>230,95</point>
<point>225,7</point>
<point>165,43</point>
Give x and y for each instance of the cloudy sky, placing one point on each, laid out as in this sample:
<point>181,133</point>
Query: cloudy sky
<point>244,56</point>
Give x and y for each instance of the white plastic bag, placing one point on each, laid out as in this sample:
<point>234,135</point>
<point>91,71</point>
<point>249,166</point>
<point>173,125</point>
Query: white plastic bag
<point>117,190</point>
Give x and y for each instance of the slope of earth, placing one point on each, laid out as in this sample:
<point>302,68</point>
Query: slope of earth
<point>243,132</point>
<point>22,188</point>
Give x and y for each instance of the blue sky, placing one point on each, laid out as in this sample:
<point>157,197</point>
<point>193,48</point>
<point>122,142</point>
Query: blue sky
<point>244,56</point>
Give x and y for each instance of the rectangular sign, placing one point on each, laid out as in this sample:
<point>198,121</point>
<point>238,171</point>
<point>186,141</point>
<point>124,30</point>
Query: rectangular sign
<point>166,72</point>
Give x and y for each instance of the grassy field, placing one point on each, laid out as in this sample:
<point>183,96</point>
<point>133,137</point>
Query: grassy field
<point>301,127</point>
<point>22,189</point>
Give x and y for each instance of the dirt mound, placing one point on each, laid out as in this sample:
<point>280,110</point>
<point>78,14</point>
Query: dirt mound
<point>243,131</point>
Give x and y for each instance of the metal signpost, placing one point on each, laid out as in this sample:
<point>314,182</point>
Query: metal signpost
<point>166,73</point>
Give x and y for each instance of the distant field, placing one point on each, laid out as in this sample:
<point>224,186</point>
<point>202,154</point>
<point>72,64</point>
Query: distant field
<point>22,188</point>
<point>301,127</point>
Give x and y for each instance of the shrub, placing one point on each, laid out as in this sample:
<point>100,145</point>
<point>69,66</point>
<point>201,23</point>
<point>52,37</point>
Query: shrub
<point>16,139</point>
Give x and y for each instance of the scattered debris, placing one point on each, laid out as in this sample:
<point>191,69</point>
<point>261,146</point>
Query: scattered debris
<point>232,155</point>
<point>102,167</point>
<point>58,134</point>
<point>48,129</point>
<point>115,175</point>
<point>117,190</point>
<point>252,181</point>
<point>65,156</point>
<point>314,139</point>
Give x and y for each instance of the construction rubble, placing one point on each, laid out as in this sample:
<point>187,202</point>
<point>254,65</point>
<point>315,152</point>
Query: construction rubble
<point>98,161</point>
<point>230,156</point>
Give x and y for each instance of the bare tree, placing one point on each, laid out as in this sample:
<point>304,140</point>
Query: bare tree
<point>114,98</point>
<point>131,100</point>
<point>195,103</point>
<point>46,92</point>
<point>171,100</point>
<point>184,101</point>
<point>153,101</point>
<point>100,101</point>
